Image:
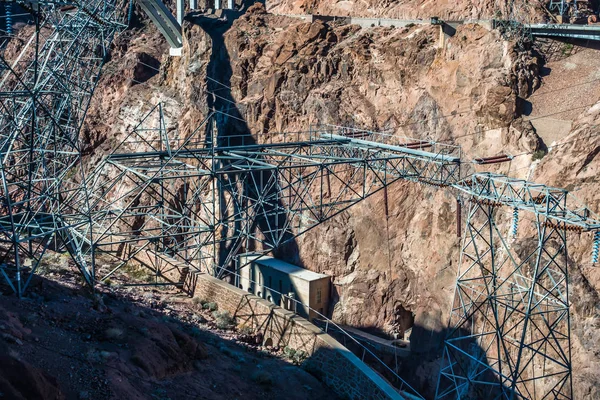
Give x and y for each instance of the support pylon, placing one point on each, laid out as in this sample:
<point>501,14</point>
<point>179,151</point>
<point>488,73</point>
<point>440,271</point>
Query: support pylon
<point>46,89</point>
<point>509,331</point>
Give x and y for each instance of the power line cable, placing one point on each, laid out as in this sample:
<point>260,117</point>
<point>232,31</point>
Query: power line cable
<point>460,113</point>
<point>425,120</point>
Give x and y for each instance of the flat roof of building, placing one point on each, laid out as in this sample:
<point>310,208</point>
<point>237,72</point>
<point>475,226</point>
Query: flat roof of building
<point>287,268</point>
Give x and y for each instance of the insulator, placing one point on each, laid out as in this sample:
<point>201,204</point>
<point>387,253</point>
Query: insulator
<point>130,14</point>
<point>515,222</point>
<point>596,248</point>
<point>9,20</point>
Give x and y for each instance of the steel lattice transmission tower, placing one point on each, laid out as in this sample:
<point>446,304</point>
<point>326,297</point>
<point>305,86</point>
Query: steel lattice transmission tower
<point>509,325</point>
<point>158,198</point>
<point>176,204</point>
<point>565,9</point>
<point>48,72</point>
<point>513,23</point>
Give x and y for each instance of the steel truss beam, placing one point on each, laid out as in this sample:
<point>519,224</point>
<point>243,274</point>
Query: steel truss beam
<point>512,25</point>
<point>45,87</point>
<point>175,204</point>
<point>509,325</point>
<point>179,204</point>
<point>557,205</point>
<point>205,203</point>
<point>562,7</point>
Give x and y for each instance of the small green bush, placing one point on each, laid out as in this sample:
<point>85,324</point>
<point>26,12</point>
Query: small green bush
<point>223,319</point>
<point>199,302</point>
<point>210,306</point>
<point>288,352</point>
<point>568,47</point>
<point>245,329</point>
<point>137,272</point>
<point>538,155</point>
<point>295,356</point>
<point>299,357</point>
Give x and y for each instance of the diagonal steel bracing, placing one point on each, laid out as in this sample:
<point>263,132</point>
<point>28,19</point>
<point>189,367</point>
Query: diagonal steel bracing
<point>47,76</point>
<point>205,203</point>
<point>176,205</point>
<point>509,331</point>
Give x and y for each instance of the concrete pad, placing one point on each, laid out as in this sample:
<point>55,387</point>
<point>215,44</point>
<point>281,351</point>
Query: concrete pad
<point>551,129</point>
<point>175,52</point>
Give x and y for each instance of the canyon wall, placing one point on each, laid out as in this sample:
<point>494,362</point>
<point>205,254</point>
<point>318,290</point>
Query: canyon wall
<point>410,9</point>
<point>392,263</point>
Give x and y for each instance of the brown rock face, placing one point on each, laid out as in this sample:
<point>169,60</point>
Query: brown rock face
<point>20,381</point>
<point>405,9</point>
<point>521,135</point>
<point>574,163</point>
<point>166,352</point>
<point>284,74</point>
<point>394,256</point>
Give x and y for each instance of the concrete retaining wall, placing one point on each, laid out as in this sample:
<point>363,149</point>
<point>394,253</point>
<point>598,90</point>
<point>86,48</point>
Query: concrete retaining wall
<point>331,362</point>
<point>372,22</point>
<point>335,365</point>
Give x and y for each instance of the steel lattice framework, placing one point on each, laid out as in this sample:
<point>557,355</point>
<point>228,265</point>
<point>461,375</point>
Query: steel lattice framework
<point>204,202</point>
<point>564,7</point>
<point>47,76</point>
<point>509,325</point>
<point>513,24</point>
<point>176,204</point>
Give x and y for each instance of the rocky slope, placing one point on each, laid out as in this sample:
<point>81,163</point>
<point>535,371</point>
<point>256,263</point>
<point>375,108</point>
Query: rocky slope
<point>408,9</point>
<point>278,73</point>
<point>573,163</point>
<point>64,342</point>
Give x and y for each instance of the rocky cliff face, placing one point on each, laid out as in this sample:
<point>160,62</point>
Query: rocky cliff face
<point>391,263</point>
<point>573,163</point>
<point>407,9</point>
<point>286,75</point>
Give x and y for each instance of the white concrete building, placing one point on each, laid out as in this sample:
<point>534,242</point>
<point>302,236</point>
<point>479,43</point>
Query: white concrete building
<point>278,282</point>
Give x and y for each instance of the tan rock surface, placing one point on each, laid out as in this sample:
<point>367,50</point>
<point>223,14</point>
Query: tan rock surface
<point>574,163</point>
<point>285,74</point>
<point>402,9</point>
